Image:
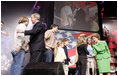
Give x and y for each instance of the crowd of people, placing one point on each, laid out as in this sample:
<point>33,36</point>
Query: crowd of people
<point>91,51</point>
<point>74,16</point>
<point>43,48</point>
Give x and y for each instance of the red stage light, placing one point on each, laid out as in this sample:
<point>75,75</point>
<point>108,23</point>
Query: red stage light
<point>38,6</point>
<point>105,39</point>
<point>111,49</point>
<point>102,15</point>
<point>102,9</point>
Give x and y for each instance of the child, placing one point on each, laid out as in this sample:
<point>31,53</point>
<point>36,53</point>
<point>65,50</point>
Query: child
<point>67,60</point>
<point>91,59</point>
<point>59,54</point>
<point>20,47</point>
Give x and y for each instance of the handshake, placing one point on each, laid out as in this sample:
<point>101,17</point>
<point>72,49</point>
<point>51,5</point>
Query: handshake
<point>91,54</point>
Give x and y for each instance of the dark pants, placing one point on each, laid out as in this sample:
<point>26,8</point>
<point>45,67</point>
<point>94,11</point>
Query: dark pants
<point>36,56</point>
<point>82,62</point>
<point>18,62</point>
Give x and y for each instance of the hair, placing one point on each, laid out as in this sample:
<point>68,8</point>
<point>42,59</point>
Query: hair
<point>79,41</point>
<point>82,35</point>
<point>87,40</point>
<point>58,44</point>
<point>96,35</point>
<point>65,39</point>
<point>2,22</point>
<point>23,19</point>
<point>36,15</point>
<point>67,2</point>
<point>54,25</point>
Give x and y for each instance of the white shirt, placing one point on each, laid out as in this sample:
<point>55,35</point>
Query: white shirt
<point>61,56</point>
<point>20,40</point>
<point>65,11</point>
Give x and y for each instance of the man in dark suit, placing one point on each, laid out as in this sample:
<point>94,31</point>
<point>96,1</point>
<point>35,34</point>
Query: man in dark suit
<point>36,43</point>
<point>80,19</point>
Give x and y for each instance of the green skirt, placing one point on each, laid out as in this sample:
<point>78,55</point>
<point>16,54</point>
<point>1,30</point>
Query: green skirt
<point>103,65</point>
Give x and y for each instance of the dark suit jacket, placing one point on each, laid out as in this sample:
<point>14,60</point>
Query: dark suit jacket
<point>80,17</point>
<point>67,58</point>
<point>82,50</point>
<point>36,37</point>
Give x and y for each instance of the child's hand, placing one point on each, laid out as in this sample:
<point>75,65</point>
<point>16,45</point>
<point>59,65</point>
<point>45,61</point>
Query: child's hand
<point>70,61</point>
<point>92,54</point>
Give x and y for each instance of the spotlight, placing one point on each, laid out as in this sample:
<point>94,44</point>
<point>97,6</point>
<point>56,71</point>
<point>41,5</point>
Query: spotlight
<point>38,6</point>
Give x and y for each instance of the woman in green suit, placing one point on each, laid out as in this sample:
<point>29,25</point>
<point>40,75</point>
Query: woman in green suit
<point>102,54</point>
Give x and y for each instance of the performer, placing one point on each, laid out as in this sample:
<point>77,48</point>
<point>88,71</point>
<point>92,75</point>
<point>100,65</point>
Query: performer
<point>50,43</point>
<point>36,44</point>
<point>102,54</point>
<point>20,47</point>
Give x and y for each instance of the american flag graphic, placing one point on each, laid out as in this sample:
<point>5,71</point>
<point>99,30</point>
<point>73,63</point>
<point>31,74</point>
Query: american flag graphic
<point>72,35</point>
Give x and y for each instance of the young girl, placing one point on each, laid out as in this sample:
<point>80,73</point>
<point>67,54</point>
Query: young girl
<point>91,59</point>
<point>59,54</point>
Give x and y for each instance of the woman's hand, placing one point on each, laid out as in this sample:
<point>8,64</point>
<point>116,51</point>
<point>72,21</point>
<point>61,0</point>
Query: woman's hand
<point>110,59</point>
<point>92,54</point>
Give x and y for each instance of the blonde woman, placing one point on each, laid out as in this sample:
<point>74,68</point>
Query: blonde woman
<point>82,52</point>
<point>81,37</point>
<point>59,54</point>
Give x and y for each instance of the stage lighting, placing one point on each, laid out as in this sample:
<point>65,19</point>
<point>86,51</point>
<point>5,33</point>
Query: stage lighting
<point>38,6</point>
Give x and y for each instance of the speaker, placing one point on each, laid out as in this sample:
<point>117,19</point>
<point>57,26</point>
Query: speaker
<point>44,68</point>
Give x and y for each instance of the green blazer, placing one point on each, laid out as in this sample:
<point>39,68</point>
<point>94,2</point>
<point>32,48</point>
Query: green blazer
<point>101,50</point>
